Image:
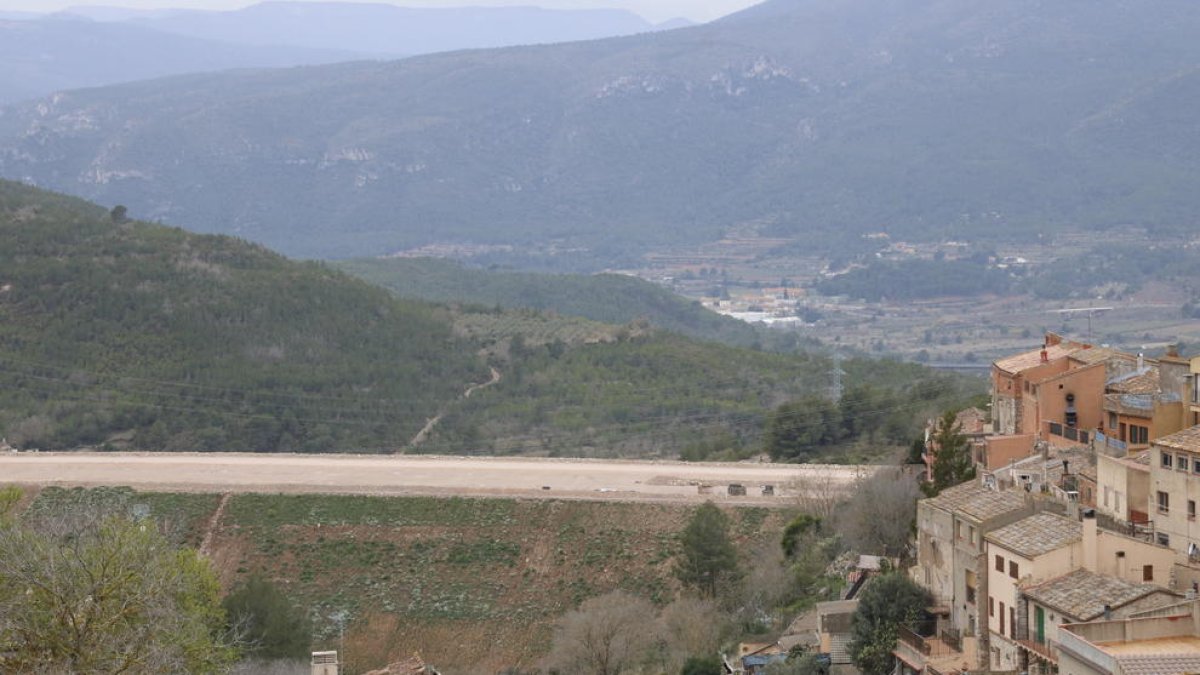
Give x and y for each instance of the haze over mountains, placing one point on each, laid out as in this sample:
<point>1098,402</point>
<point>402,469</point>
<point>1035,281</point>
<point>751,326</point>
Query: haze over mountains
<point>95,46</point>
<point>48,55</point>
<point>381,29</point>
<point>809,118</point>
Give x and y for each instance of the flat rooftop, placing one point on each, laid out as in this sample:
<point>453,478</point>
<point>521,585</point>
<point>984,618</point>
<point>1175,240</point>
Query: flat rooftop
<point>1184,644</point>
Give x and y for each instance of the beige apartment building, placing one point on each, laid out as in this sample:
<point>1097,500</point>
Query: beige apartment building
<point>1158,642</point>
<point>1036,550</point>
<point>1175,491</point>
<point>1080,596</point>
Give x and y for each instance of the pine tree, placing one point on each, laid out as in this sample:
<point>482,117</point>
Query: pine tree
<point>952,464</point>
<point>709,559</point>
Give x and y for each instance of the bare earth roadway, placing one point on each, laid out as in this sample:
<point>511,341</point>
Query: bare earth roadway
<point>423,475</point>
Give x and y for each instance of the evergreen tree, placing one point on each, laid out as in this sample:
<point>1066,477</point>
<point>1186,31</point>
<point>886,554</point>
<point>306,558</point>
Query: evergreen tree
<point>890,601</point>
<point>272,626</point>
<point>952,464</point>
<point>709,558</point>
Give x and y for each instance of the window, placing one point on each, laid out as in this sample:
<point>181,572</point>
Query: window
<point>1012,622</point>
<point>1167,459</point>
<point>991,606</point>
<point>1112,420</point>
<point>1191,509</point>
<point>1181,462</point>
<point>1148,573</point>
<point>970,595</point>
<point>1163,539</point>
<point>958,530</point>
<point>1002,613</point>
<point>1107,489</point>
<point>1196,465</point>
<point>1139,434</point>
<point>999,564</point>
<point>1013,570</point>
<point>971,530</point>
<point>1164,502</point>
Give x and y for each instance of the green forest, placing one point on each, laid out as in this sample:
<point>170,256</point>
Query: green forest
<point>123,334</point>
<point>609,298</point>
<point>116,334</point>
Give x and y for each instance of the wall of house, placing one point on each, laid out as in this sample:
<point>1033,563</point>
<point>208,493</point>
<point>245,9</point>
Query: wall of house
<point>1121,487</point>
<point>1168,419</point>
<point>1086,383</point>
<point>935,553</point>
<point>1001,450</point>
<point>964,612</point>
<point>1138,555</point>
<point>1181,486</point>
<point>1126,420</point>
<point>1003,589</point>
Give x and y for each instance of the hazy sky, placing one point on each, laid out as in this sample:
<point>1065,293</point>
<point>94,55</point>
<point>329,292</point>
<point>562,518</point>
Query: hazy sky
<point>654,10</point>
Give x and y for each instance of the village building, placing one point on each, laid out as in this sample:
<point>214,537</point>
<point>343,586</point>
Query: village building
<point>1079,596</point>
<point>1156,642</point>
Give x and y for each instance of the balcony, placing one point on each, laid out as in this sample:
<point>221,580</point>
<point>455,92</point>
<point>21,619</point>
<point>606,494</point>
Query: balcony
<point>942,653</point>
<point>1060,434</point>
<point>1046,651</point>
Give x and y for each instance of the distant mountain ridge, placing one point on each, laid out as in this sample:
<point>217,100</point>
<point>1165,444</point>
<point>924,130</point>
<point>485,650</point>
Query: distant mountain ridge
<point>40,56</point>
<point>818,119</point>
<point>382,29</point>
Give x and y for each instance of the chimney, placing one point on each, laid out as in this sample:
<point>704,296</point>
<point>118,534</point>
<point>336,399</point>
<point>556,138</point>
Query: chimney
<point>1173,351</point>
<point>1141,361</point>
<point>1122,566</point>
<point>1090,544</point>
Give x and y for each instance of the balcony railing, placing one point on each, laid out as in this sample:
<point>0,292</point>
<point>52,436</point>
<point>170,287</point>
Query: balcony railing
<point>1046,650</point>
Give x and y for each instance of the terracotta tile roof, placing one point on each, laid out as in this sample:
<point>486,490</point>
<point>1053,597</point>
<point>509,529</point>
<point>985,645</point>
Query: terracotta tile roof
<point>1160,664</point>
<point>1096,355</point>
<point>1038,534</point>
<point>1081,595</point>
<point>1033,359</point>
<point>1144,381</point>
<point>1188,439</point>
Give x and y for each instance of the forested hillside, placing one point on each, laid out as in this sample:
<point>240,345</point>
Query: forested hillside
<point>608,298</point>
<point>116,333</point>
<point>812,119</point>
<point>122,334</point>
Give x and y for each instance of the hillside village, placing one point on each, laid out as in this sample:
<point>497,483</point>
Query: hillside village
<point>1074,550</point>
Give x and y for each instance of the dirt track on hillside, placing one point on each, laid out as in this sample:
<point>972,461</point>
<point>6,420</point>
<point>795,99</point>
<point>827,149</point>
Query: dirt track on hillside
<point>599,480</point>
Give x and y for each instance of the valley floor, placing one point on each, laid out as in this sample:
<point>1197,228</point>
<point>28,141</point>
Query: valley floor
<point>598,480</point>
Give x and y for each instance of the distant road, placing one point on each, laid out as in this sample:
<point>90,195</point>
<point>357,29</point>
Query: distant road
<point>422,475</point>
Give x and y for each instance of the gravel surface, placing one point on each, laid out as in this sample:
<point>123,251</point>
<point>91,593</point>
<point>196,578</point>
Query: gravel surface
<point>421,475</point>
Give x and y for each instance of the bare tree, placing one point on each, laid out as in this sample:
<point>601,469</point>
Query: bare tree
<point>878,518</point>
<point>607,635</point>
<point>691,627</point>
<point>817,495</point>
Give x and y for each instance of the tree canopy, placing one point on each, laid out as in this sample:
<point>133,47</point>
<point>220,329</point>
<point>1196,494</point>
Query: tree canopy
<point>708,559</point>
<point>888,602</point>
<point>952,463</point>
<point>102,593</point>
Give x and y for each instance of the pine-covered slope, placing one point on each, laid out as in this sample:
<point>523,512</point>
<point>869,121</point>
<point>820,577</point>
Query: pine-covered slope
<point>146,336</point>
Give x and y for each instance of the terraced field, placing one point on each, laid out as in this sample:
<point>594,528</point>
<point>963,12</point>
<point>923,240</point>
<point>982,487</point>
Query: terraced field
<point>474,585</point>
